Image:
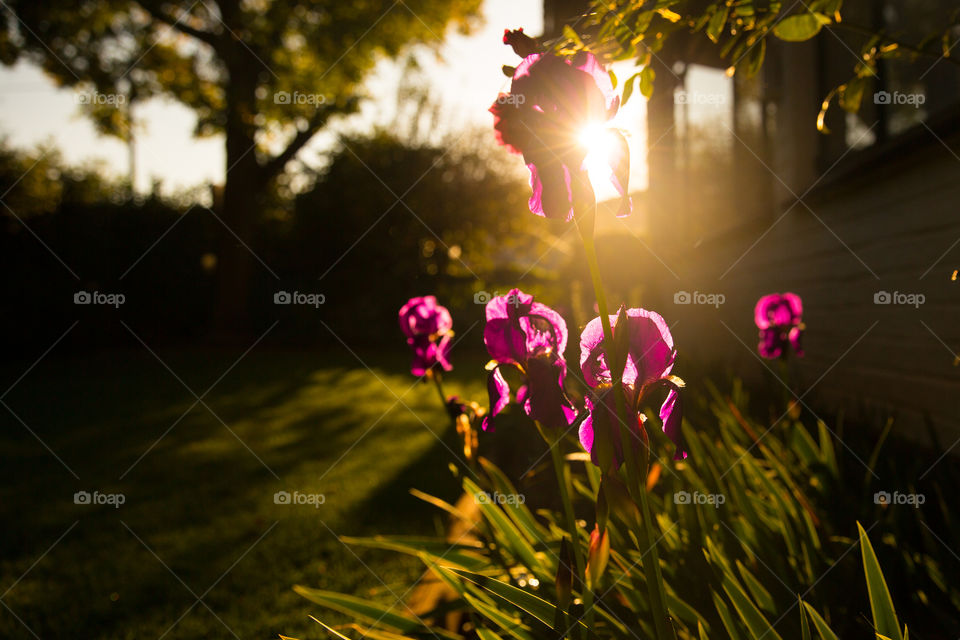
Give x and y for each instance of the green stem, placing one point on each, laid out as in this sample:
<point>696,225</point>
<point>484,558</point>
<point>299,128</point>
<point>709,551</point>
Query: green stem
<point>571,521</point>
<point>651,566</point>
<point>435,376</point>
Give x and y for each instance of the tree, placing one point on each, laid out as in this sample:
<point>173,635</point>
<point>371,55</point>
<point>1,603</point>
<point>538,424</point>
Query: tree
<point>267,74</point>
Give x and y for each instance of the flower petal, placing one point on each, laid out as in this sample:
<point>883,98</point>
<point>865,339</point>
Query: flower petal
<point>499,393</point>
<point>546,401</point>
<point>795,336</point>
<point>552,195</point>
<point>671,415</point>
<point>650,355</point>
<point>592,363</point>
<point>771,343</point>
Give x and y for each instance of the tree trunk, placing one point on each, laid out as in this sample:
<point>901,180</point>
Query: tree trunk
<point>242,197</point>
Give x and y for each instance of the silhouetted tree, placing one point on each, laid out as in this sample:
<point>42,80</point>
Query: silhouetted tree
<point>257,71</point>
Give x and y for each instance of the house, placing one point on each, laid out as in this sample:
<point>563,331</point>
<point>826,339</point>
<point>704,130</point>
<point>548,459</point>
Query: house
<point>863,222</point>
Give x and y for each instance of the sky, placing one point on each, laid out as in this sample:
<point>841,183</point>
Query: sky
<point>465,81</point>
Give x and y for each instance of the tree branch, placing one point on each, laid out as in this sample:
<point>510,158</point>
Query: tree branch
<point>204,36</point>
<point>276,164</point>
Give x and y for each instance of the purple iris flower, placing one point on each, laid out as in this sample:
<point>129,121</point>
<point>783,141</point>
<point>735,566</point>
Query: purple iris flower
<point>779,316</point>
<point>529,338</point>
<point>553,103</point>
<point>429,330</point>
<point>648,362</point>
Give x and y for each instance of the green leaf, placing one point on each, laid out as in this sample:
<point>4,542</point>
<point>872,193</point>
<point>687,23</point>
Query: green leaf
<point>881,605</point>
<point>827,453</point>
<point>572,36</point>
<point>716,23</point>
<point>754,59</point>
<point>628,88</point>
<point>751,616</point>
<point>725,617</point>
<point>330,629</point>
<point>804,624</point>
<point>372,612</point>
<point>821,625</point>
<point>757,590</point>
<point>534,605</point>
<point>487,634</point>
<point>647,75</point>
<point>513,539</point>
<point>799,27</point>
<point>701,632</point>
<point>513,626</point>
<point>518,511</point>
<point>461,555</point>
<point>850,95</point>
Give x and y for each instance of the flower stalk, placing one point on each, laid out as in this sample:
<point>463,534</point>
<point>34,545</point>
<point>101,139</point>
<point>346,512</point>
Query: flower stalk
<point>651,567</point>
<point>563,483</point>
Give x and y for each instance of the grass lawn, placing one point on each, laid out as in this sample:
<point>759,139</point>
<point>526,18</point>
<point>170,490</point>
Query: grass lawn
<point>199,518</point>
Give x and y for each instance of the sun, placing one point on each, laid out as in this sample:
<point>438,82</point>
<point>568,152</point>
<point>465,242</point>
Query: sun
<point>600,144</point>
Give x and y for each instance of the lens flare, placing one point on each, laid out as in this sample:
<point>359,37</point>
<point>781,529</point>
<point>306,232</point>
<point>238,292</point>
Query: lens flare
<point>600,146</point>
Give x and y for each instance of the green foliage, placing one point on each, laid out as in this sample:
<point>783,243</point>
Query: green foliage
<point>639,30</point>
<point>742,527</point>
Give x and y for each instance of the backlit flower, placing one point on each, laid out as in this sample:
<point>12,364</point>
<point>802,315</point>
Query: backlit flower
<point>557,110</point>
<point>429,330</point>
<point>646,367</point>
<point>527,338</point>
<point>779,316</point>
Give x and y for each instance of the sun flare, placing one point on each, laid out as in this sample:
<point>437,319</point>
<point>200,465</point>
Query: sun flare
<point>600,145</point>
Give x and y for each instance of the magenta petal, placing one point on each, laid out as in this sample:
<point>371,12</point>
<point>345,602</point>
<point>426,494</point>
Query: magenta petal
<point>552,194</point>
<point>546,329</point>
<point>650,355</point>
<point>592,364</point>
<point>442,349</point>
<point>651,352</point>
<point>546,402</point>
<point>601,429</point>
<point>795,336</point>
<point>586,434</point>
<point>777,309</point>
<point>423,316</point>
<point>771,343</point>
<point>518,328</point>
<point>536,186</point>
<point>761,312</point>
<point>671,415</point>
<point>499,392</point>
<point>795,304</point>
<point>588,63</point>
<point>503,334</point>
